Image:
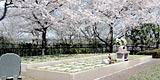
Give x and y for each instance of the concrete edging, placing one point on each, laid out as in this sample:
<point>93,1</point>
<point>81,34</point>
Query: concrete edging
<point>83,75</point>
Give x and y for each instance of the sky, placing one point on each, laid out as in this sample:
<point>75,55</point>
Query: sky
<point>1,6</point>
<point>1,3</point>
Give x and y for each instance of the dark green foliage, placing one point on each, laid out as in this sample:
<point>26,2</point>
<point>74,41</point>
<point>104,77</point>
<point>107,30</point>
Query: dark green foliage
<point>96,44</point>
<point>146,34</point>
<point>147,52</point>
<point>155,53</point>
<point>29,49</point>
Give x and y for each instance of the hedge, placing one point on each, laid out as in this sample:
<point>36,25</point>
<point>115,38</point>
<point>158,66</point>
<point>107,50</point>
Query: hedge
<point>155,53</point>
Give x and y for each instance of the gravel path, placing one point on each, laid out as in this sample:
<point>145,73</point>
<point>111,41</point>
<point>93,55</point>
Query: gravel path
<point>125,74</point>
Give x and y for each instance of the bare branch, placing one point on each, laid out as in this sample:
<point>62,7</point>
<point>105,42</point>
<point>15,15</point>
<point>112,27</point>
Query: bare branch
<point>50,2</point>
<point>97,34</point>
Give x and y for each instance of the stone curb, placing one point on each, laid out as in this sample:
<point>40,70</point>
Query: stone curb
<point>83,75</point>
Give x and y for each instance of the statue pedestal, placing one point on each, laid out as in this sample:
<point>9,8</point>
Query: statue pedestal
<point>122,54</point>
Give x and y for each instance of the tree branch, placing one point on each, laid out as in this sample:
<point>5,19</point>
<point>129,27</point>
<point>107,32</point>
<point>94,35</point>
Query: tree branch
<point>85,35</point>
<point>37,20</point>
<point>51,2</point>
<point>5,9</point>
<point>97,34</point>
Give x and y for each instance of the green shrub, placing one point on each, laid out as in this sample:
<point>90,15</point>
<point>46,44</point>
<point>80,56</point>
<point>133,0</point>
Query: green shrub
<point>147,52</point>
<point>155,53</point>
<point>85,50</point>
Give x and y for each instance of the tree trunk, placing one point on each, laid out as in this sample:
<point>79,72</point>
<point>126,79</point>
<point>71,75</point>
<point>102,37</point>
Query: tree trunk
<point>111,39</point>
<point>4,12</point>
<point>157,42</point>
<point>106,47</point>
<point>44,41</point>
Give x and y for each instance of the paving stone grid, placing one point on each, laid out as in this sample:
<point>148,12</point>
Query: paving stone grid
<point>75,66</point>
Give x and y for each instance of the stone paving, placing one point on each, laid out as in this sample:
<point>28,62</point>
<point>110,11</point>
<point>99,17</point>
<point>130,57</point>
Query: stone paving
<point>125,74</point>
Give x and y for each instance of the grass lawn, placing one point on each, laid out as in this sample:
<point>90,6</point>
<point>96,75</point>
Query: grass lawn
<point>131,57</point>
<point>38,59</point>
<point>149,74</point>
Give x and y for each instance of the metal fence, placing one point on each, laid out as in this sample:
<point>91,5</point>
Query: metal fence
<point>35,50</point>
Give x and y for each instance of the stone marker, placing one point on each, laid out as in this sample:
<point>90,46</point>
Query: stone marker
<point>10,66</point>
<point>122,54</point>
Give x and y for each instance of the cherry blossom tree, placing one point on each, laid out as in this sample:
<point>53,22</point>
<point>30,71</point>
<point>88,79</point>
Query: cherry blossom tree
<point>4,5</point>
<point>123,13</point>
<point>70,16</point>
<point>42,15</point>
<point>38,14</point>
<point>103,12</point>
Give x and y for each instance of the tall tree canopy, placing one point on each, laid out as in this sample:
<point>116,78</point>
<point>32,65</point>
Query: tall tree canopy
<point>105,20</point>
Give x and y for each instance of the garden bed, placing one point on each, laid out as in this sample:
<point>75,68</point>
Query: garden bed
<point>81,70</point>
<point>74,67</point>
<point>47,62</point>
<point>78,66</point>
<point>47,58</point>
